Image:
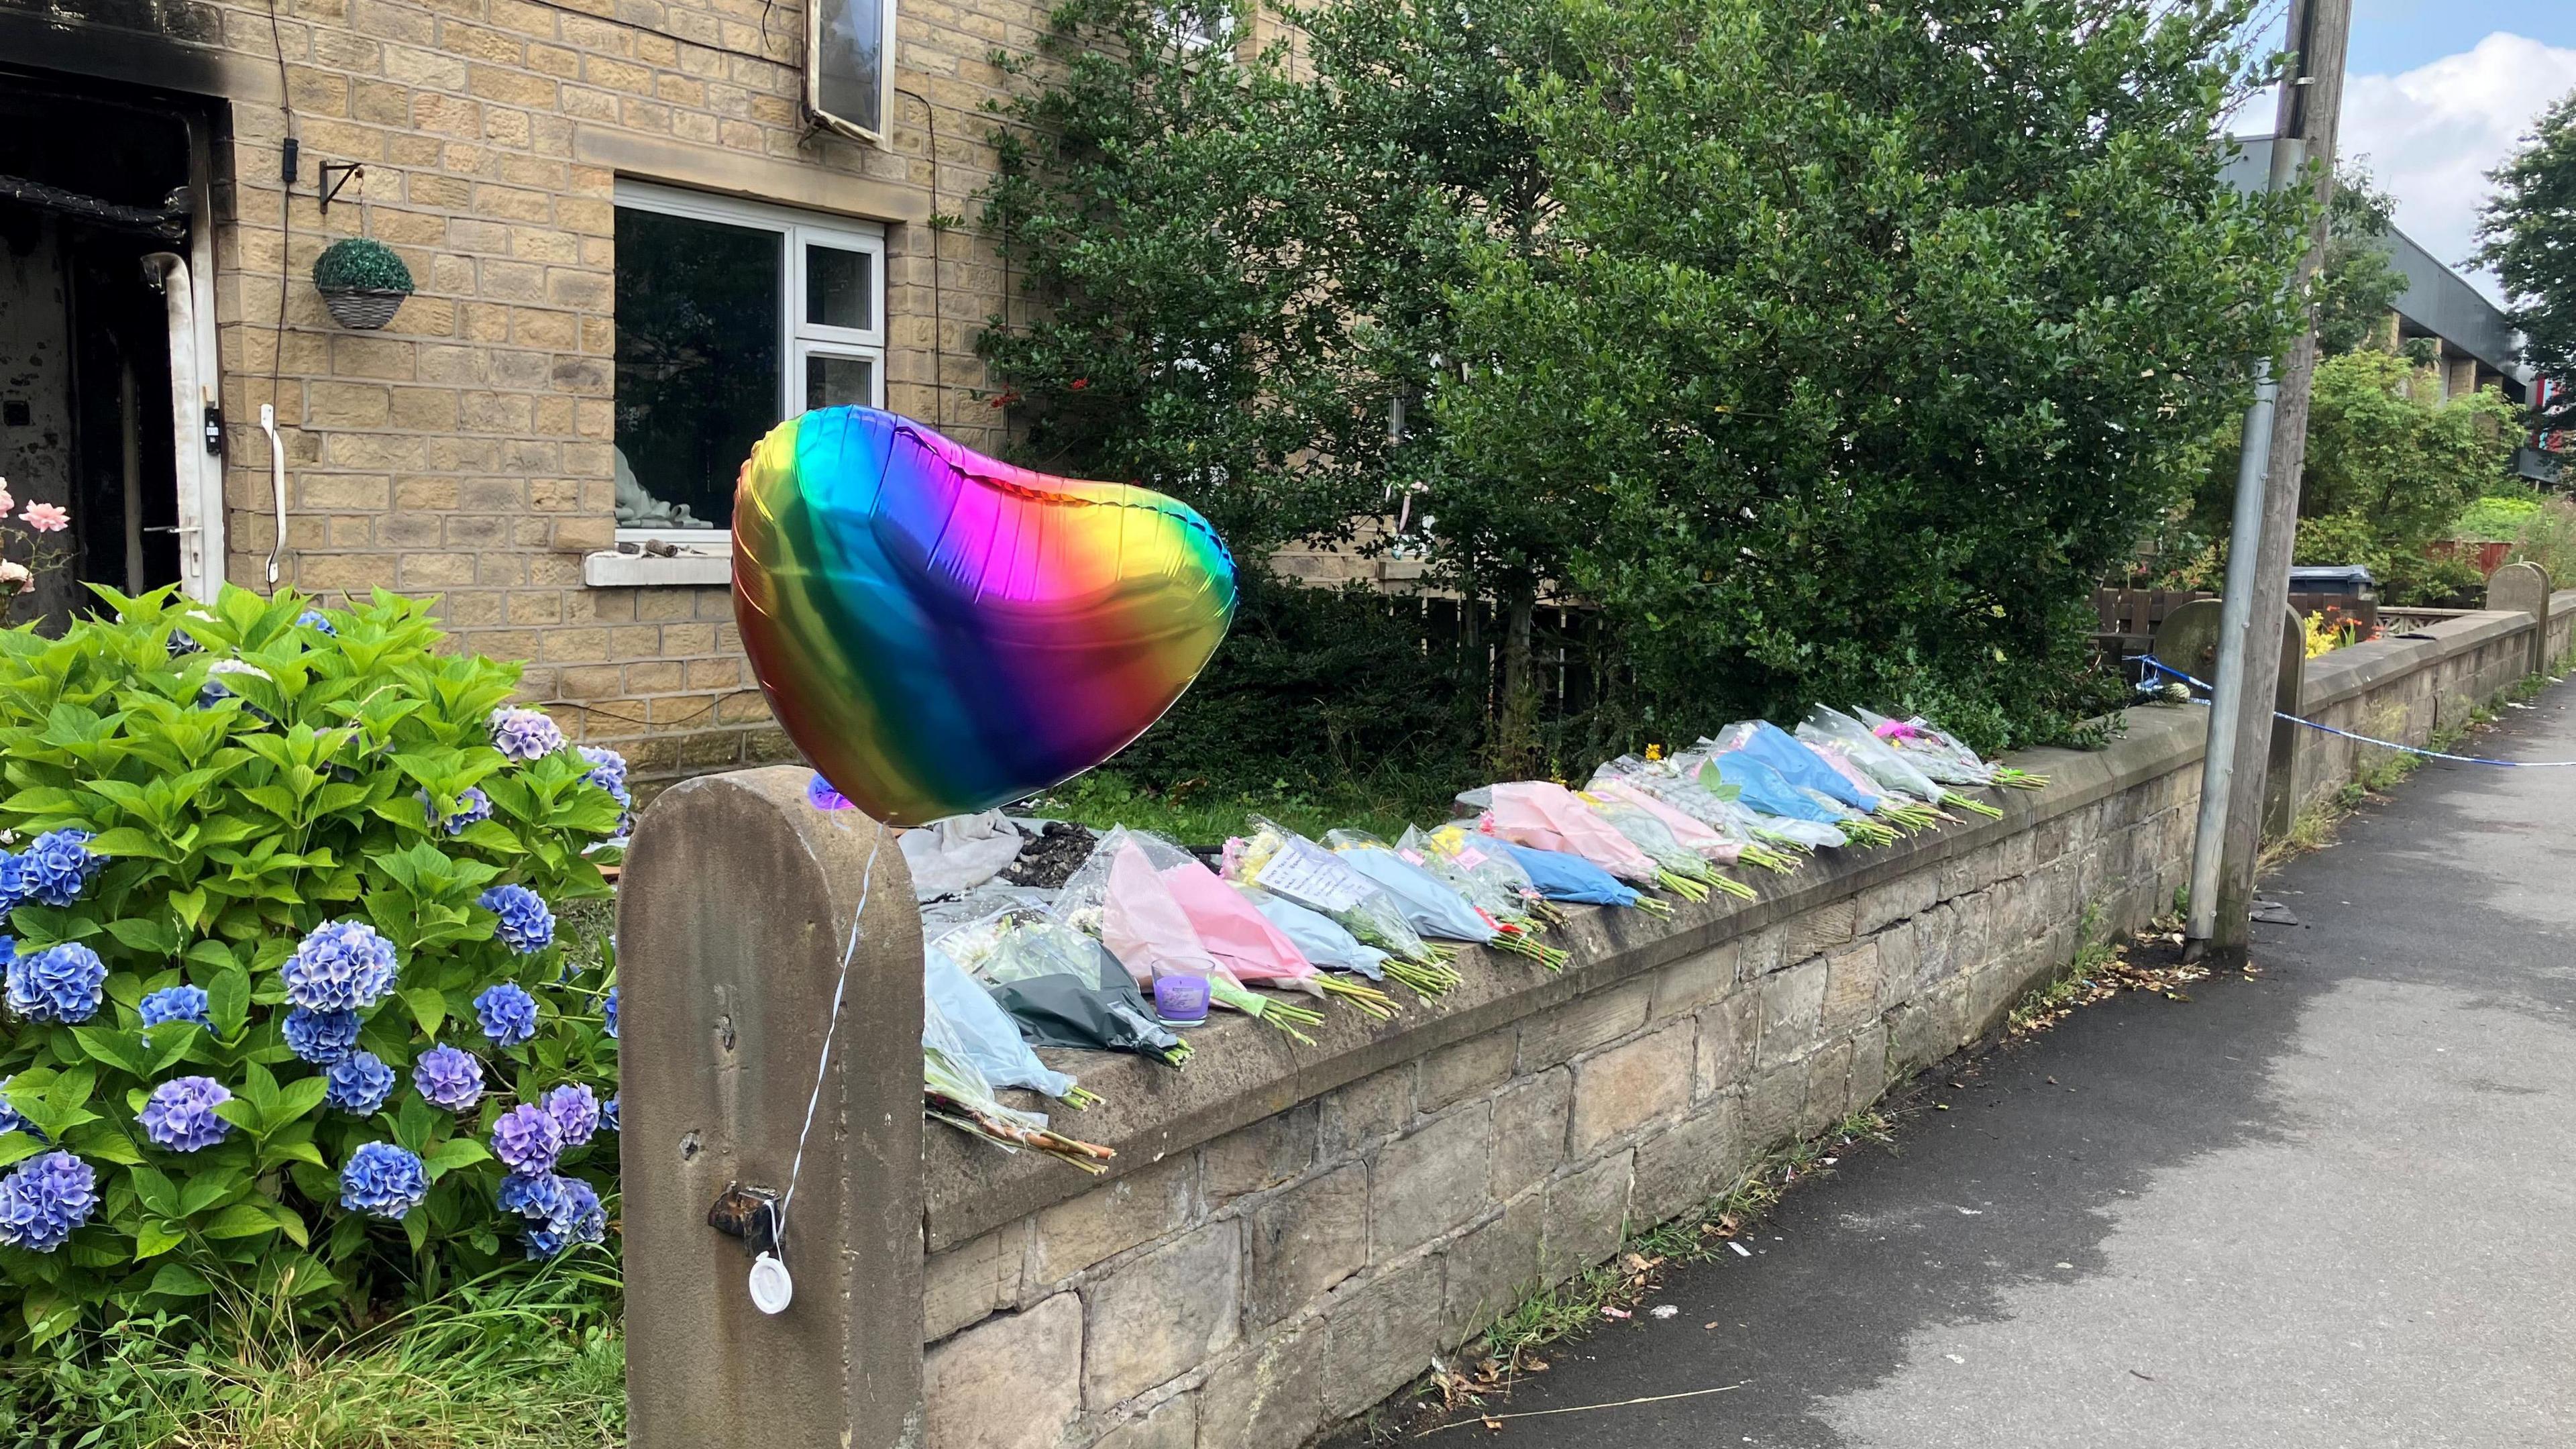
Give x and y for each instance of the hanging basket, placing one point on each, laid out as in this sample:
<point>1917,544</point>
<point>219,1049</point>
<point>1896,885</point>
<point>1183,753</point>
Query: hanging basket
<point>364,310</point>
<point>361,281</point>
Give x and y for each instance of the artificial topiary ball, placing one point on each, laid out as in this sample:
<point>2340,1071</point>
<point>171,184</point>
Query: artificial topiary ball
<point>360,264</point>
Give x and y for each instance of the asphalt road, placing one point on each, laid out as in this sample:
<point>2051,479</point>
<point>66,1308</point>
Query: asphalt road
<point>2333,1204</point>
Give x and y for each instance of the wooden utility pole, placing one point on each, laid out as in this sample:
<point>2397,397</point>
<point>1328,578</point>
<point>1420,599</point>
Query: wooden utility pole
<point>2258,575</point>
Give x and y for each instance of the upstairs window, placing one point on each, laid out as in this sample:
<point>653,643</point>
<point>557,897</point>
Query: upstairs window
<point>731,315</point>
<point>849,74</point>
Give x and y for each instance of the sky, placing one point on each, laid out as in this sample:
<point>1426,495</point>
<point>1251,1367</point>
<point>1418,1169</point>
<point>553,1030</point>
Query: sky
<point>2436,94</point>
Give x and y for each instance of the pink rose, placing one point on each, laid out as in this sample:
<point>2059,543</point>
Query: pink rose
<point>47,517</point>
<point>6,502</point>
<point>14,577</point>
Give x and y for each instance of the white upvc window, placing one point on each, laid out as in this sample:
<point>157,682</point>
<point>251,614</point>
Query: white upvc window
<point>849,66</point>
<point>731,315</point>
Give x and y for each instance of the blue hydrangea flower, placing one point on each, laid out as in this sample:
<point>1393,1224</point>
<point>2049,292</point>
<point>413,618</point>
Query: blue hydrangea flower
<point>45,1201</point>
<point>449,1077</point>
<point>59,867</point>
<point>59,983</point>
<point>181,646</point>
<point>575,1109</point>
<point>607,1112</point>
<point>508,1015</point>
<point>383,1181</point>
<point>608,1013</point>
<point>321,1037</point>
<point>578,1219</point>
<point>527,1140</point>
<point>180,1114</point>
<point>10,1121</point>
<point>316,619</point>
<point>340,966</point>
<point>607,769</point>
<point>174,1003</point>
<point>16,888</point>
<point>471,805</point>
<point>358,1084</point>
<point>213,690</point>
<point>527,927</point>
<point>535,1198</point>
<point>522,735</point>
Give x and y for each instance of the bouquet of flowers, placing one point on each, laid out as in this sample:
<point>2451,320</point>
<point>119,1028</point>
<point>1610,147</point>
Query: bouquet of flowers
<point>1840,738</point>
<point>1250,944</point>
<point>1694,834</point>
<point>1564,877</point>
<point>1061,987</point>
<point>1674,782</point>
<point>1942,756</point>
<point>1120,888</point>
<point>1548,816</point>
<point>1500,888</point>
<point>1813,819</point>
<point>1288,865</point>
<point>1648,832</point>
<point>956,1092</point>
<point>1806,770</point>
<point>1430,904</point>
<point>1319,937</point>
<point>988,1036</point>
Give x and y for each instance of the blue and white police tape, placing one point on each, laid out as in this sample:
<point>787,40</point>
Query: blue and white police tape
<point>2161,667</point>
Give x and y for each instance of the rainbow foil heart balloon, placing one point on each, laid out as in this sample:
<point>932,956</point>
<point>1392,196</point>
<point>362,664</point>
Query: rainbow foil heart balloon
<point>941,632</point>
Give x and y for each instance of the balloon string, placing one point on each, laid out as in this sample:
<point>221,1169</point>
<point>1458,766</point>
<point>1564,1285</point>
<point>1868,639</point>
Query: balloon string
<point>823,1068</point>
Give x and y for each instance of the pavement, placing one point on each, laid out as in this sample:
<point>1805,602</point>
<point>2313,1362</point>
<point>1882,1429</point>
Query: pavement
<point>2330,1204</point>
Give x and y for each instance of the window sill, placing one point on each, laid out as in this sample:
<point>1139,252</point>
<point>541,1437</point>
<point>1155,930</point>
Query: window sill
<point>609,569</point>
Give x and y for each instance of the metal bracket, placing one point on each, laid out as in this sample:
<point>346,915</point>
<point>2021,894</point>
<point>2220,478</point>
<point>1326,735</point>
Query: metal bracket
<point>330,189</point>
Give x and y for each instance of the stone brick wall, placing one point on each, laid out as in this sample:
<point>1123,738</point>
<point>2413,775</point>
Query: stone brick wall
<point>464,451</point>
<point>1246,1289</point>
<point>1292,1235</point>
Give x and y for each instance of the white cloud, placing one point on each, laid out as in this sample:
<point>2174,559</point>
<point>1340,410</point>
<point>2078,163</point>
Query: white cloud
<point>2431,134</point>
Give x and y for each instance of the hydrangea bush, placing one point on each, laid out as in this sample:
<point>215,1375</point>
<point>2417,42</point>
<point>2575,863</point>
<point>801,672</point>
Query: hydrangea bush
<point>286,1011</point>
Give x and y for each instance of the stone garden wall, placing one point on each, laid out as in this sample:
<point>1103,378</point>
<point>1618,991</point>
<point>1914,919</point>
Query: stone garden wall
<point>1290,1233</point>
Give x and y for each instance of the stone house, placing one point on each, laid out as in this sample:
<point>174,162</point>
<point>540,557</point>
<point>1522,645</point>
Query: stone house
<point>641,232</point>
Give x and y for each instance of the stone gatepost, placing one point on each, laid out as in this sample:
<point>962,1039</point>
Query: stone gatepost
<point>2523,588</point>
<point>2188,640</point>
<point>736,908</point>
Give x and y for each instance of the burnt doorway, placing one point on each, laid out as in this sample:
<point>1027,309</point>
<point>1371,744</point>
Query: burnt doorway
<point>101,210</point>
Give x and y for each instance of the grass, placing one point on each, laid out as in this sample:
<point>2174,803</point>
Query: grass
<point>2045,1004</point>
<point>1196,814</point>
<point>526,1361</point>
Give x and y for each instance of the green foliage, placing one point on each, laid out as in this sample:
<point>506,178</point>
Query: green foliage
<point>360,264</point>
<point>2548,538</point>
<point>2357,283</point>
<point>2528,235</point>
<point>1844,371</point>
<point>2499,518</point>
<point>234,821</point>
<point>2394,467</point>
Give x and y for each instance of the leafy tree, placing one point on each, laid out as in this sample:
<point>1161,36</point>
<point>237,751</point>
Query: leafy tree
<point>2389,470</point>
<point>2357,283</point>
<point>2528,235</point>
<point>1868,336</point>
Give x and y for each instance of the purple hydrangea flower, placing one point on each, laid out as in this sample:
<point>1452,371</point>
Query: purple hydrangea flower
<point>820,794</point>
<point>608,1013</point>
<point>59,983</point>
<point>578,1218</point>
<point>522,735</point>
<point>321,1037</point>
<point>449,1077</point>
<point>174,1003</point>
<point>527,1140</point>
<point>471,805</point>
<point>508,1015</point>
<point>575,1109</point>
<point>59,867</point>
<point>181,1114</point>
<point>358,1084</point>
<point>527,927</point>
<point>607,769</point>
<point>607,1112</point>
<point>340,966</point>
<point>383,1181</point>
<point>316,619</point>
<point>45,1201</point>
